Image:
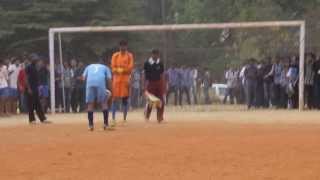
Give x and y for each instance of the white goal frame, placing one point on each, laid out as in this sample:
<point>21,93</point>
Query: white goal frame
<point>177,27</point>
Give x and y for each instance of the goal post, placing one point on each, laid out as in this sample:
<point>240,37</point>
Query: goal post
<point>177,27</point>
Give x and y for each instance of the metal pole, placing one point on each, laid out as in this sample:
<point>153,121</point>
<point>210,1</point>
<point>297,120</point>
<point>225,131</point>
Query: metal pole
<point>62,74</point>
<point>52,78</point>
<point>165,33</point>
<point>177,27</point>
<point>301,65</point>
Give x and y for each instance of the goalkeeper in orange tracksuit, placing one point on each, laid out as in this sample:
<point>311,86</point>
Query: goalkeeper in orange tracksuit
<point>121,64</point>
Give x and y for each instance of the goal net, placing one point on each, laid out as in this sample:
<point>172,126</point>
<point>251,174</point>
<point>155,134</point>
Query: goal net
<point>167,36</point>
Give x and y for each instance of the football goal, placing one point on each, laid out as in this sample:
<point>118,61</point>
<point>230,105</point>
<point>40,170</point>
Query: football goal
<point>57,31</point>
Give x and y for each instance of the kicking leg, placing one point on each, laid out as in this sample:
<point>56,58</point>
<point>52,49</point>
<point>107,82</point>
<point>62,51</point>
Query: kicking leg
<point>90,116</point>
<point>105,109</point>
<point>105,112</point>
<point>91,94</point>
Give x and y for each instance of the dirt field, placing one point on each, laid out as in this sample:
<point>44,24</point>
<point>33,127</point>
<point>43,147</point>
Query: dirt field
<point>217,144</point>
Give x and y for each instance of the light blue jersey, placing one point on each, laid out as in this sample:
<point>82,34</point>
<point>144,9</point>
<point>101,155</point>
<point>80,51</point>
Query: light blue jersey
<point>96,75</point>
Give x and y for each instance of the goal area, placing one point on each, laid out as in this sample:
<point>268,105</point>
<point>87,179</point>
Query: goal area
<point>57,31</point>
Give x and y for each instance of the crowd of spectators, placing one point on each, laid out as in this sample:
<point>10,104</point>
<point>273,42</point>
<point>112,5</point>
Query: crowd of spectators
<point>274,83</point>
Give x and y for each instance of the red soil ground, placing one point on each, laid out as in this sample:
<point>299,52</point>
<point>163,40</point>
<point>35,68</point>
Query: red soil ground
<point>221,145</point>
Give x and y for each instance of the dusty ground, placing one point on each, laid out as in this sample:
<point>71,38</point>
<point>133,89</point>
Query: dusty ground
<point>205,144</point>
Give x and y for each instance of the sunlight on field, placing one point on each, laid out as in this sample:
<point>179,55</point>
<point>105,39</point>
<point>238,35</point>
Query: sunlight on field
<point>217,142</point>
<point>228,113</point>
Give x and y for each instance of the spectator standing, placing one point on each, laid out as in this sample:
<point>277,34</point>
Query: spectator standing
<point>43,85</point>
<point>22,87</point>
<point>3,89</point>
<point>231,78</point>
<point>135,88</point>
<point>242,79</point>
<point>309,80</point>
<point>206,81</point>
<point>275,72</point>
<point>194,80</point>
<point>73,101</point>
<point>250,75</point>
<point>284,84</point>
<point>79,104</point>
<point>267,83</point>
<point>172,81</point>
<point>32,92</point>
<point>238,89</point>
<point>259,99</point>
<point>58,84</point>
<point>316,90</point>
<point>185,84</point>
<point>293,76</point>
<point>13,71</point>
<point>67,86</point>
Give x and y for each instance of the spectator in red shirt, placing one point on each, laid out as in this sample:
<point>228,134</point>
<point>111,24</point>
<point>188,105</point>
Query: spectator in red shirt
<point>22,88</point>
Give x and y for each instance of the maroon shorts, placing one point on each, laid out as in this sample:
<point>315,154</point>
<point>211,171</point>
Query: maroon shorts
<point>156,88</point>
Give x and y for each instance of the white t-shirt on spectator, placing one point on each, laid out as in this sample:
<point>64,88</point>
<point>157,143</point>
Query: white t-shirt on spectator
<point>3,77</point>
<point>241,75</point>
<point>13,75</point>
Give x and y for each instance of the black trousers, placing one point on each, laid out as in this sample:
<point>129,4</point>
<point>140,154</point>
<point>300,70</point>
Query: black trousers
<point>276,96</point>
<point>259,99</point>
<point>283,97</point>
<point>174,90</point>
<point>229,93</point>
<point>77,100</point>
<point>309,96</point>
<point>267,92</point>
<point>184,90</point>
<point>33,101</point>
<point>251,93</point>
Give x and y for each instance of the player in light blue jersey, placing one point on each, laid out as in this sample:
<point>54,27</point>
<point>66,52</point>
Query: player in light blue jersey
<point>98,89</point>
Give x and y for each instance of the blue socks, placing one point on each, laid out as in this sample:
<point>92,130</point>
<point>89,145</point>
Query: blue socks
<point>115,106</point>
<point>125,111</point>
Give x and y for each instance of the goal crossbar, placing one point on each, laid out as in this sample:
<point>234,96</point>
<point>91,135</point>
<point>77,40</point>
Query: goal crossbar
<point>178,27</point>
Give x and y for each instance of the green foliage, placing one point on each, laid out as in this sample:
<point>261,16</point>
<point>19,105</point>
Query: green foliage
<point>25,23</point>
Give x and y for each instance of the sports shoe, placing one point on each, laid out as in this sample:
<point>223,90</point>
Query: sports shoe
<point>46,122</point>
<point>160,119</point>
<point>108,128</point>
<point>113,123</point>
<point>32,122</point>
<point>146,118</point>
